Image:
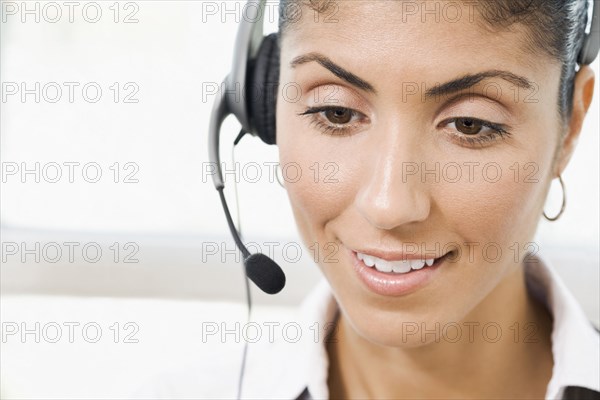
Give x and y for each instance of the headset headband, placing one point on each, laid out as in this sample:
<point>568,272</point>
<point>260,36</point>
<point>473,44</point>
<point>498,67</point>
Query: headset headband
<point>591,41</point>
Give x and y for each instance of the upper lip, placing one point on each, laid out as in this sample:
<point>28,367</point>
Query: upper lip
<point>394,255</point>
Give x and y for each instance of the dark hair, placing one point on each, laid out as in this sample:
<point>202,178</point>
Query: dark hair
<point>556,27</point>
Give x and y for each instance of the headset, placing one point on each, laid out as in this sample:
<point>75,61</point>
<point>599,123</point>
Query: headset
<point>256,68</point>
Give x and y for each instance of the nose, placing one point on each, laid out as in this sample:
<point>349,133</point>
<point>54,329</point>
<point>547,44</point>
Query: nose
<point>391,197</point>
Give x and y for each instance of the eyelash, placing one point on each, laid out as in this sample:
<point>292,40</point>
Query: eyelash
<point>328,128</point>
<point>498,131</point>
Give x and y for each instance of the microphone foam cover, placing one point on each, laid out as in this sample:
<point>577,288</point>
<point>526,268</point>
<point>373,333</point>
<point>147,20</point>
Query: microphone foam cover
<point>265,273</point>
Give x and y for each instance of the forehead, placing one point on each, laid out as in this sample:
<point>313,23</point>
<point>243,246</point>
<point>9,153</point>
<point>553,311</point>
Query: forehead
<point>414,36</point>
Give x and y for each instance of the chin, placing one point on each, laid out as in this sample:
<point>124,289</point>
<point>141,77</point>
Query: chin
<point>399,333</point>
<point>400,329</point>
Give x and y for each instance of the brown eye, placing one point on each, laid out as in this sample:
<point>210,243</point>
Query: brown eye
<point>339,116</point>
<point>468,126</point>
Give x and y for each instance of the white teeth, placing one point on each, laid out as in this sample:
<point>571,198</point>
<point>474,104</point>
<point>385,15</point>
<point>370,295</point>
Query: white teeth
<point>401,266</point>
<point>383,265</point>
<point>395,266</point>
<point>417,264</point>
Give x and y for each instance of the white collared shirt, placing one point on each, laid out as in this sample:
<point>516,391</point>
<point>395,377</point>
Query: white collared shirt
<point>294,364</point>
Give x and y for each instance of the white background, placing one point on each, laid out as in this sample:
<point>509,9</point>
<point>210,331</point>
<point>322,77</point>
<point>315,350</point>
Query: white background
<point>173,50</point>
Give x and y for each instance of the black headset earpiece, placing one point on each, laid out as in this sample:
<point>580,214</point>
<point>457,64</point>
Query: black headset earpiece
<point>261,91</point>
<point>250,88</point>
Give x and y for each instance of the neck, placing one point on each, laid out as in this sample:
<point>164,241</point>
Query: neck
<point>515,364</point>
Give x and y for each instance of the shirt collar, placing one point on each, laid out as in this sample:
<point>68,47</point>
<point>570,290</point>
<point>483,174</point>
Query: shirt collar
<point>294,367</point>
<point>322,307</point>
<point>575,342</point>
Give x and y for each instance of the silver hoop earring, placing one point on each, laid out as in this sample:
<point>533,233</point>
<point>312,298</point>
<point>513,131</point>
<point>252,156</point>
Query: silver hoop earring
<point>564,202</point>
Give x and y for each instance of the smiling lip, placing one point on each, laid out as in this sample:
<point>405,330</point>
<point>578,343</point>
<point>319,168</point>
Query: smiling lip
<point>395,255</point>
<point>390,283</point>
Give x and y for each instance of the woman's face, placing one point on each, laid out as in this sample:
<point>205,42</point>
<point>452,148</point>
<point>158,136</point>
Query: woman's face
<point>402,164</point>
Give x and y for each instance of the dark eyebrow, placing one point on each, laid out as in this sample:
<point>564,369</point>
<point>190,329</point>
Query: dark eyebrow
<point>470,80</point>
<point>335,69</point>
<point>456,85</point>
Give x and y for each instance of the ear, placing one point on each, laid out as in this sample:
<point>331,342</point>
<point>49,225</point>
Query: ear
<point>583,94</point>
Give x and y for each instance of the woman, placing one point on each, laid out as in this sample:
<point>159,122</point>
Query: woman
<point>418,98</point>
<point>429,134</point>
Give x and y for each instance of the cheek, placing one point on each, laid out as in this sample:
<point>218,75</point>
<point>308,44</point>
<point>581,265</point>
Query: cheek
<point>503,203</point>
<point>317,174</point>
<point>489,210</point>
<point>315,180</point>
